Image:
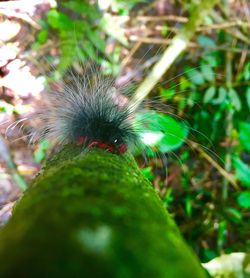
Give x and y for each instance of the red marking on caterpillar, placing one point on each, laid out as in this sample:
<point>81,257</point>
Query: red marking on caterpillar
<point>120,149</point>
<point>81,140</point>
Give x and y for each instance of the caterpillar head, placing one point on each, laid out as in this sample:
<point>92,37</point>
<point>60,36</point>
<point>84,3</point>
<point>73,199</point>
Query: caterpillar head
<point>105,125</point>
<point>96,116</point>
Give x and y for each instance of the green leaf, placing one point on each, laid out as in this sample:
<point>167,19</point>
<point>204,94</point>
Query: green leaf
<point>209,254</point>
<point>167,93</point>
<point>184,83</point>
<point>246,71</point>
<point>206,41</point>
<point>97,40</point>
<point>209,94</point>
<point>195,76</point>
<point>234,214</point>
<point>147,172</point>
<point>193,98</point>
<point>245,135</point>
<point>212,59</point>
<point>53,18</point>
<point>20,181</point>
<point>207,72</point>
<point>188,205</point>
<point>88,48</point>
<point>165,30</point>
<point>235,99</point>
<point>88,10</point>
<point>123,7</point>
<point>6,107</point>
<point>248,96</point>
<point>244,199</point>
<point>42,36</point>
<point>58,20</point>
<point>222,96</point>
<point>40,153</point>
<point>169,196</point>
<point>161,131</point>
<point>222,232</point>
<point>242,171</point>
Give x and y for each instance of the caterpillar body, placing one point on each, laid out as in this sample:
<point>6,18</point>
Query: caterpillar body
<point>89,111</point>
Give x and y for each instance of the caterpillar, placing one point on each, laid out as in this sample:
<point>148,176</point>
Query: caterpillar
<point>89,111</point>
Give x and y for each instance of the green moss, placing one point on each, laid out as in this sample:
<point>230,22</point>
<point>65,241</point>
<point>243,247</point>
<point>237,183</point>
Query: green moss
<point>93,214</point>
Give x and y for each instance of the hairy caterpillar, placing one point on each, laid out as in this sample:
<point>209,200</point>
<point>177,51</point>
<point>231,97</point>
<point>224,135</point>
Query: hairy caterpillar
<point>90,112</point>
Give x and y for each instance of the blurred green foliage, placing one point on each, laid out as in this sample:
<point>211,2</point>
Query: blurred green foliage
<point>78,38</point>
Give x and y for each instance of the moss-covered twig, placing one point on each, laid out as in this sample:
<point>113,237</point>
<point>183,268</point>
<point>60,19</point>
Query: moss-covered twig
<point>93,214</point>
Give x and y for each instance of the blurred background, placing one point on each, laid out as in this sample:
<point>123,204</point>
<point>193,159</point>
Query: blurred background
<point>200,167</point>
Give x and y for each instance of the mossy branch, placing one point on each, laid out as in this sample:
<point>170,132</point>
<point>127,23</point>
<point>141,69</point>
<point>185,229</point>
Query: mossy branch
<point>93,214</point>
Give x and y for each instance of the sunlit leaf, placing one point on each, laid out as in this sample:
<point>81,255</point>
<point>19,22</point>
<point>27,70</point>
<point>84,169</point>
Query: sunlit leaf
<point>6,107</point>
<point>87,9</point>
<point>222,231</point>
<point>184,83</point>
<point>42,36</point>
<point>242,171</point>
<point>123,7</point>
<point>167,93</point>
<point>206,41</point>
<point>222,96</point>
<point>245,135</point>
<point>244,199</point>
<point>97,40</point>
<point>169,196</point>
<point>88,48</point>
<point>209,94</point>
<point>19,180</point>
<point>188,205</point>
<point>59,20</point>
<point>246,71</point>
<point>195,76</point>
<point>234,214</point>
<point>147,172</point>
<point>161,131</point>
<point>207,72</point>
<point>212,59</point>
<point>235,99</point>
<point>248,97</point>
<point>165,30</point>
<point>40,153</point>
